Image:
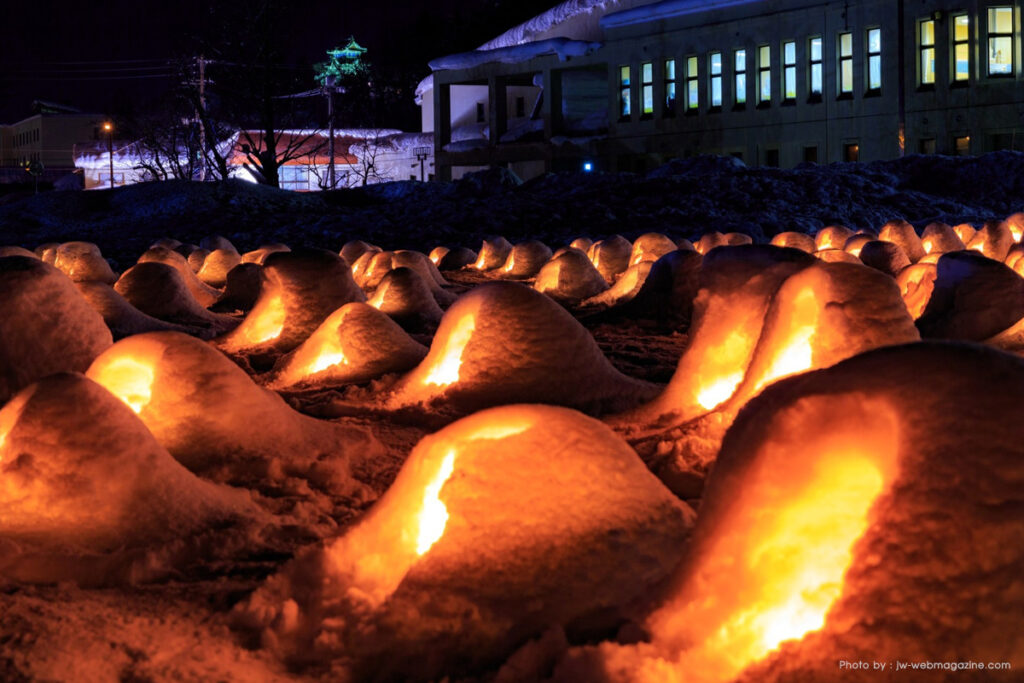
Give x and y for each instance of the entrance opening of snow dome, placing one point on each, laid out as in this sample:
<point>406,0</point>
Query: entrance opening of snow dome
<point>267,321</point>
<point>442,367</point>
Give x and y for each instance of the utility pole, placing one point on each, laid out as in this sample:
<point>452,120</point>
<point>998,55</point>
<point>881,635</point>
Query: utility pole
<point>109,127</point>
<point>201,115</point>
<point>329,90</point>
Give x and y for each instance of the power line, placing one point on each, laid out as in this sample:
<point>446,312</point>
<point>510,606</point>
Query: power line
<point>93,70</point>
<point>71,79</point>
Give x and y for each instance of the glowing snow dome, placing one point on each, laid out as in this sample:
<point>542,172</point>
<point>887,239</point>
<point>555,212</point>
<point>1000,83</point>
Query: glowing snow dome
<point>160,291</point>
<point>45,325</point>
<point>356,343</point>
<point>820,526</point>
<point>570,277</point>
<point>80,475</point>
<point>300,290</point>
<point>497,528</point>
<point>83,262</point>
<point>505,343</point>
<point>215,419</point>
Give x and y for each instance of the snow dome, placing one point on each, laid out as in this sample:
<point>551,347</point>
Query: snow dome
<point>856,243</point>
<point>406,298</point>
<point>121,317</point>
<point>965,231</point>
<point>457,259</point>
<point>437,253</point>
<point>300,289</point>
<point>204,293</point>
<point>973,298</point>
<point>832,237</point>
<point>570,277</point>
<point>215,242</point>
<point>938,238</point>
<point>80,475</point>
<point>836,256</point>
<point>370,268</point>
<point>82,262</point>
<point>626,287</point>
<point>525,260</point>
<point>650,246</point>
<point>848,517</point>
<point>795,240</point>
<point>887,257</point>
<point>505,343</point>
<point>582,243</point>
<point>993,239</point>
<point>241,289</point>
<point>196,257</point>
<point>17,251</point>
<point>903,233</point>
<point>355,344</point>
<point>216,266</point>
<point>159,290</point>
<point>354,249</point>
<point>611,256</point>
<point>493,253</point>
<point>47,252</point>
<point>486,538</point>
<point>214,419</point>
<point>668,291</point>
<point>45,325</point>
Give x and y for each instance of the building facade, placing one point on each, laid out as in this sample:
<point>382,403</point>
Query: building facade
<point>774,82</point>
<point>47,137</point>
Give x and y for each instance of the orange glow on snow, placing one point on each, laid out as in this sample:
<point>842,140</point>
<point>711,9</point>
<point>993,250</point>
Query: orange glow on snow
<point>446,370</point>
<point>129,380</point>
<point>928,246</point>
<point>797,354</point>
<point>433,516</point>
<point>722,371</point>
<point>511,263</point>
<point>801,554</point>
<point>328,358</point>
<point>267,323</point>
<point>719,392</point>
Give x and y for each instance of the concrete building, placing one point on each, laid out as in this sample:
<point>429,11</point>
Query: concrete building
<point>47,137</point>
<point>629,85</point>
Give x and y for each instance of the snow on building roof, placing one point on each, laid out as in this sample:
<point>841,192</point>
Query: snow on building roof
<point>514,54</point>
<point>543,25</point>
<point>665,10</point>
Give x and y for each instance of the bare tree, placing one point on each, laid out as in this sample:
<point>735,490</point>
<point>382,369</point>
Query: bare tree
<point>369,152</point>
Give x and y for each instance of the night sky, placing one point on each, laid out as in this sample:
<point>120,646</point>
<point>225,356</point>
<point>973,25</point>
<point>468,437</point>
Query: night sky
<point>110,57</point>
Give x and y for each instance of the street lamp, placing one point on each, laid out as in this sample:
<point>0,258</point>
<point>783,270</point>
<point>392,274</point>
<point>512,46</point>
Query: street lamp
<point>109,127</point>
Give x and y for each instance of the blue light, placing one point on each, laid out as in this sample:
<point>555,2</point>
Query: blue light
<point>588,167</point>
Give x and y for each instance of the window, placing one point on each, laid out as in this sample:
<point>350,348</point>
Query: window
<point>692,89</point>
<point>520,107</point>
<point>715,80</point>
<point>811,154</point>
<point>927,146</point>
<point>789,71</point>
<point>961,48</point>
<point>814,89</point>
<point>874,60</point>
<point>670,87</point>
<point>764,74</point>
<point>740,93</point>
<point>962,145</point>
<point>624,83</point>
<point>771,158</point>
<point>926,49</point>
<point>851,151</point>
<point>481,112</point>
<point>845,64</point>
<point>647,88</point>
<point>1000,41</point>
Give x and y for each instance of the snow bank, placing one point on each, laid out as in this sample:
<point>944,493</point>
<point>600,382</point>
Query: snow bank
<point>497,528</point>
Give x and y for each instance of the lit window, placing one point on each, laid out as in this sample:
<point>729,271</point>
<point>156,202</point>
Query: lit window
<point>789,71</point>
<point>647,87</point>
<point>624,104</point>
<point>874,59</point>
<point>740,92</point>
<point>815,82</point>
<point>962,145</point>
<point>961,48</point>
<point>851,152</point>
<point>1000,41</point>
<point>926,46</point>
<point>764,74</point>
<point>692,88</point>
<point>670,87</point>
<point>715,80</point>
<point>845,63</point>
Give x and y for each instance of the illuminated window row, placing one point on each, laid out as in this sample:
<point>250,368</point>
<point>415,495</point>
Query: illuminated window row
<point>999,42</point>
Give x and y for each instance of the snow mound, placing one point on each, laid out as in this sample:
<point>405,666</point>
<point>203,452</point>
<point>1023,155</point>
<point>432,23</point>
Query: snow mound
<point>627,286</point>
<point>795,240</point>
<point>215,420</point>
<point>916,284</point>
<point>505,343</point>
<point>667,292</point>
<point>884,256</point>
<point>650,246</point>
<point>258,256</point>
<point>83,262</point>
<point>525,260</point>
<point>204,293</point>
<point>160,291</point>
<point>405,297</point>
<point>493,253</point>
<point>570,277</point>
<point>834,492</point>
<point>994,239</point>
<point>45,325</point>
<point>355,344</point>
<point>216,266</point>
<point>497,528</point>
<point>939,238</point>
<point>121,317</point>
<point>611,256</point>
<point>457,259</point>
<point>82,478</point>
<point>300,290</point>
